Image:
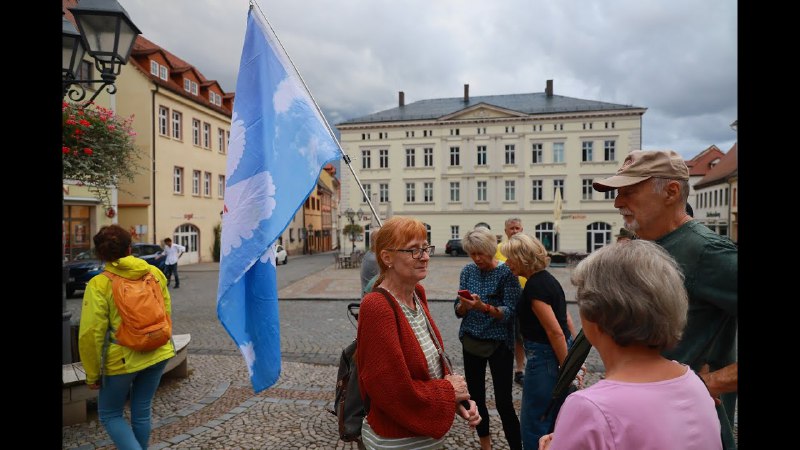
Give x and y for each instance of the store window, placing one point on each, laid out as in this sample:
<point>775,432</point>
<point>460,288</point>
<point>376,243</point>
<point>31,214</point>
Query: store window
<point>77,232</point>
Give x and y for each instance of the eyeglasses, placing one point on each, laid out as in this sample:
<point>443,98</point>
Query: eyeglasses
<point>416,253</point>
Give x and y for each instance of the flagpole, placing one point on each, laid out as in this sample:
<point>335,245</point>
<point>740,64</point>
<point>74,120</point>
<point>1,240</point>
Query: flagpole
<point>324,120</point>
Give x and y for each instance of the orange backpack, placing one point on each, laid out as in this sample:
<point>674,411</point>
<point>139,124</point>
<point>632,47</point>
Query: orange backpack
<point>145,323</point>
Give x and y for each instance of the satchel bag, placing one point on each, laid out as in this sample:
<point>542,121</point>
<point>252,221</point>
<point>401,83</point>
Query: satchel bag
<point>483,348</point>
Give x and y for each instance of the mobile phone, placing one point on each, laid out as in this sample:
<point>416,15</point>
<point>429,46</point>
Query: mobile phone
<point>465,293</point>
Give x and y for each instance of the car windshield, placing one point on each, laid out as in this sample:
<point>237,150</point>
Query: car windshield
<point>88,254</point>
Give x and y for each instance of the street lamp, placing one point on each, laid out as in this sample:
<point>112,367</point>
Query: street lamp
<point>350,214</point>
<point>107,34</point>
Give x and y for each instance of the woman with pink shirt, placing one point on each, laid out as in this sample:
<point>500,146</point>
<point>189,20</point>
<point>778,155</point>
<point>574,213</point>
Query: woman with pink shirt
<point>633,305</point>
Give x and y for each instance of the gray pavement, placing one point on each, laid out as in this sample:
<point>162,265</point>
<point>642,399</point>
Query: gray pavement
<point>215,406</point>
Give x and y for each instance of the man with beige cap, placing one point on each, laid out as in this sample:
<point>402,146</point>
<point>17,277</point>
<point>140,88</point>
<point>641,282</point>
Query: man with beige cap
<point>652,188</point>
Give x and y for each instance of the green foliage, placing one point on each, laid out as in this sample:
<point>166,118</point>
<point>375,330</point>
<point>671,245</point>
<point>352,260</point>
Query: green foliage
<point>97,148</point>
<point>353,229</point>
<point>217,240</point>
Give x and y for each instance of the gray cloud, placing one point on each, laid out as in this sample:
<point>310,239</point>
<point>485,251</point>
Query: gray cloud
<point>677,58</point>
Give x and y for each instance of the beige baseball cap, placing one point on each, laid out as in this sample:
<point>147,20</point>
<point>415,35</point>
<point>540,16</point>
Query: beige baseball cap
<point>640,165</point>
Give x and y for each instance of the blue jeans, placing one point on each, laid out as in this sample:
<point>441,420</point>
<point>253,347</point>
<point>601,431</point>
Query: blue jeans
<point>114,392</point>
<point>541,373</point>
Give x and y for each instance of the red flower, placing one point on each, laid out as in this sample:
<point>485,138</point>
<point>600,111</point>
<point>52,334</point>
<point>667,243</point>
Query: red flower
<point>84,122</point>
<point>64,150</point>
<point>88,151</point>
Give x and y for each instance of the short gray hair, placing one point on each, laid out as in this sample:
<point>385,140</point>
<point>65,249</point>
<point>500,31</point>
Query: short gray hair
<point>660,183</point>
<point>634,292</point>
<point>479,240</point>
<point>513,219</point>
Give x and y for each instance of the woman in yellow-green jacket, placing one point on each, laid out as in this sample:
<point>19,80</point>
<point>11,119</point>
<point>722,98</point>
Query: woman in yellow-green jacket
<point>118,371</point>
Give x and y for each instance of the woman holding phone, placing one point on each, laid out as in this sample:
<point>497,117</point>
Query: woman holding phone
<point>486,303</point>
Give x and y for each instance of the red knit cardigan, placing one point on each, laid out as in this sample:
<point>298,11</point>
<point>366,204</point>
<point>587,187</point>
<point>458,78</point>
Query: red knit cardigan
<point>393,372</point>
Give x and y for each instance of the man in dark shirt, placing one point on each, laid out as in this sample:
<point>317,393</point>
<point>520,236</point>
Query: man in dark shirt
<point>652,188</point>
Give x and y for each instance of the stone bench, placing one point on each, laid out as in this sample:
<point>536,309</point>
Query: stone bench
<point>75,391</point>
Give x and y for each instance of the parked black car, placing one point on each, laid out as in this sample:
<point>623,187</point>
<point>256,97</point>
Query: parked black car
<point>86,265</point>
<point>454,248</point>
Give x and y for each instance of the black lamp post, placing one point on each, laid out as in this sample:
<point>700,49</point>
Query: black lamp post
<point>107,34</point>
<point>350,217</point>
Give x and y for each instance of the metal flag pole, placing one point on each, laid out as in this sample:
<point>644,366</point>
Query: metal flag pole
<point>319,111</point>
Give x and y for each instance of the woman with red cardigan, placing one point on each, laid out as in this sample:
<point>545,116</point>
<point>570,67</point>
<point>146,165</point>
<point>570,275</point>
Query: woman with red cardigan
<point>412,395</point>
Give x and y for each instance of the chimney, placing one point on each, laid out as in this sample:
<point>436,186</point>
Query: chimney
<point>549,89</point>
<point>466,93</point>
<point>402,98</point>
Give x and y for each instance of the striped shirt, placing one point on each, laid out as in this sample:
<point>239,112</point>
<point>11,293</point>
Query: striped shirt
<point>369,437</point>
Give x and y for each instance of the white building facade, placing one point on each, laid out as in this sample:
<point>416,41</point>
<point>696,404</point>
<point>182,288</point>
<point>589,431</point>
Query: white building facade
<point>457,162</point>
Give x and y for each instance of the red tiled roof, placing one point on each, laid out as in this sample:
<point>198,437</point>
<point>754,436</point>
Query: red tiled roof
<point>142,52</point>
<point>728,165</point>
<point>700,164</point>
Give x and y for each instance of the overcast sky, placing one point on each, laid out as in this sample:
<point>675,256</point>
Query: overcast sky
<point>677,58</point>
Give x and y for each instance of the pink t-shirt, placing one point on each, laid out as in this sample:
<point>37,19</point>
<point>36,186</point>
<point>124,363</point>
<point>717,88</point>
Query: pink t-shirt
<point>663,415</point>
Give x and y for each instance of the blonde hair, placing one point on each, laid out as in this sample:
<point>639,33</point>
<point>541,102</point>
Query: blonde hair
<point>480,240</point>
<point>526,251</point>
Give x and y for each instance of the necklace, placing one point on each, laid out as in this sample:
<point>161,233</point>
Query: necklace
<point>413,307</point>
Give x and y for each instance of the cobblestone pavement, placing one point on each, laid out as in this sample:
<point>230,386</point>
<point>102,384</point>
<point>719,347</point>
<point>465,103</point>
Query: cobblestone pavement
<point>215,406</point>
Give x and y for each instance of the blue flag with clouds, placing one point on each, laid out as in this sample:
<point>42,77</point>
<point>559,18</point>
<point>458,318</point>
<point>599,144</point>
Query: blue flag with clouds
<point>278,145</point>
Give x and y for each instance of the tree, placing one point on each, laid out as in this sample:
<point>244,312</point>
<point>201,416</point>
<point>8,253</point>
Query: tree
<point>97,148</point>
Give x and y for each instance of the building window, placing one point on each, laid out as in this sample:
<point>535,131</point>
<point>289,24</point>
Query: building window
<point>368,191</point>
<point>427,133</point>
<point>481,130</point>
<point>537,127</point>
<point>207,184</point>
<point>454,232</point>
<point>154,67</point>
<point>536,192</point>
<point>587,125</point>
<point>510,129</point>
<point>558,184</point>
<point>409,134</point>
<point>481,191</point>
<point>196,132</point>
<point>610,195</point>
<point>194,88</point>
<point>383,135</point>
<point>187,85</point>
<point>511,190</point>
<point>610,150</point>
<point>455,132</point>
<point>427,192</point>
<point>545,234</point>
<point>195,182</point>
<point>455,191</point>
<point>558,152</point>
<point>177,180</point>
<point>383,158</point>
<point>411,192</point>
<point>163,114</point>
<point>383,192</point>
<point>428,155</point>
<point>221,186</point>
<point>177,124</point>
<point>725,198</point>
<point>366,159</point>
<point>510,154</point>
<point>162,73</point>
<point>207,135</point>
<point>481,155</point>
<point>410,157</point>
<point>536,154</point>
<point>455,156</point>
<point>612,124</point>
<point>221,137</point>
<point>587,189</point>
<point>558,127</point>
<point>587,147</point>
<point>215,98</point>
